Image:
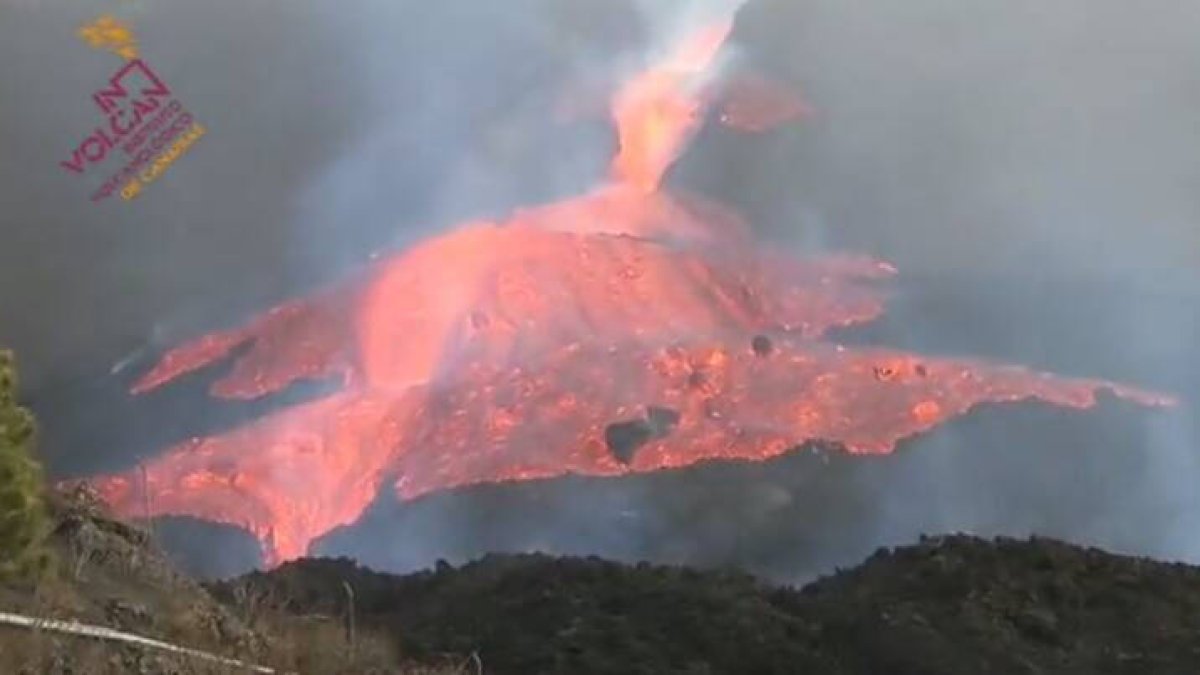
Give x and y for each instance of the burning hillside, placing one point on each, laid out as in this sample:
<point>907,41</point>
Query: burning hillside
<point>626,330</point>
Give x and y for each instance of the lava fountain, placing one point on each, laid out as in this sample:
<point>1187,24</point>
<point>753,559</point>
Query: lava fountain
<point>625,330</point>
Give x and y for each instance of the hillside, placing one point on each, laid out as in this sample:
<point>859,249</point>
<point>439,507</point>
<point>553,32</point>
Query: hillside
<point>946,605</point>
<point>108,574</point>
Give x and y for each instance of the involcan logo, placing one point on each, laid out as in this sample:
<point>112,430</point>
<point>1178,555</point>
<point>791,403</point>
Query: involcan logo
<point>141,120</point>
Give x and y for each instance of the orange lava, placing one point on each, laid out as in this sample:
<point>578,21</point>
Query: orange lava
<point>657,112</point>
<point>509,350</point>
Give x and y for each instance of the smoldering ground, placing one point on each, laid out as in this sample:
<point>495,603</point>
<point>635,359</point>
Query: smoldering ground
<point>1029,168</point>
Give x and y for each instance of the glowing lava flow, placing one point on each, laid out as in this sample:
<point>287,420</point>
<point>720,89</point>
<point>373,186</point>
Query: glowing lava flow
<point>627,330</point>
<point>659,110</point>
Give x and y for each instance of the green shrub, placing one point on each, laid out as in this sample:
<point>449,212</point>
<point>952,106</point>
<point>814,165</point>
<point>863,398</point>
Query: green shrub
<point>23,519</point>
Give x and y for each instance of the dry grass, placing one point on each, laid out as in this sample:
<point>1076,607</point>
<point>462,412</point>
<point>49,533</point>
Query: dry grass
<point>313,645</point>
<point>37,652</point>
<point>320,645</point>
<point>326,644</point>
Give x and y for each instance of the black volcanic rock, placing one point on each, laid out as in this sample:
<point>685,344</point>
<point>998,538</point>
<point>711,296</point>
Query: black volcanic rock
<point>624,438</point>
<point>762,346</point>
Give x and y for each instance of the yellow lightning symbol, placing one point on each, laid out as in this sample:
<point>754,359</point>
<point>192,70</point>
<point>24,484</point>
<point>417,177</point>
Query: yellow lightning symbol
<point>110,34</point>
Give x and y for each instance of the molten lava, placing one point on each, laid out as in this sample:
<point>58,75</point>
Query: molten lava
<point>657,112</point>
<point>626,330</point>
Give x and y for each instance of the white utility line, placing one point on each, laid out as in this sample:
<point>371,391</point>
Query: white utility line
<point>102,633</point>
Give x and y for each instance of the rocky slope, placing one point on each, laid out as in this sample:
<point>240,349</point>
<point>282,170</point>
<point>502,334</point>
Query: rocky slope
<point>108,574</point>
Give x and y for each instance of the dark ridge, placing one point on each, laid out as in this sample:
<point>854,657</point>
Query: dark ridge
<point>947,605</point>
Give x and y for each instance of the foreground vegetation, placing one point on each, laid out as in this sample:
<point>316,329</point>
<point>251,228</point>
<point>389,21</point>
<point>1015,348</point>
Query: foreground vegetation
<point>945,606</point>
<point>22,510</point>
